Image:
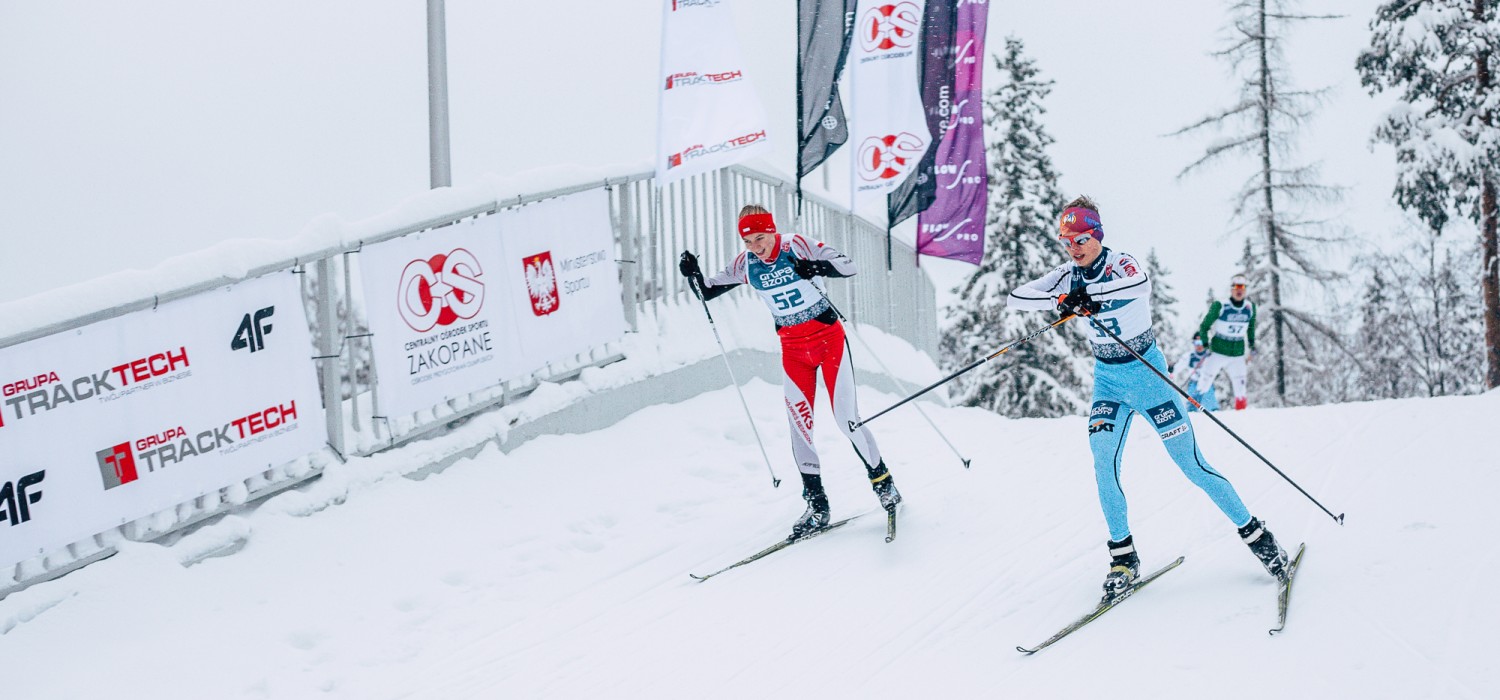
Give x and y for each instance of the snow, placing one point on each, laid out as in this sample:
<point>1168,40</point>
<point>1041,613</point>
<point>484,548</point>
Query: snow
<point>560,570</point>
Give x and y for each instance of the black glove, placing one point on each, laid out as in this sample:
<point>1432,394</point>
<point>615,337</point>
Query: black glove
<point>1077,302</point>
<point>808,269</point>
<point>688,265</point>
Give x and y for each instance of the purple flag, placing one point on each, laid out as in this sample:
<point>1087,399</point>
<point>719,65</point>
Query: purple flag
<point>953,227</point>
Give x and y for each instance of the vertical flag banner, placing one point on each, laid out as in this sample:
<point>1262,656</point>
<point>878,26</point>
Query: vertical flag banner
<point>888,129</point>
<point>438,314</point>
<point>953,227</point>
<point>710,115</point>
<point>138,413</point>
<point>565,293</point>
<point>823,46</point>
<point>918,190</point>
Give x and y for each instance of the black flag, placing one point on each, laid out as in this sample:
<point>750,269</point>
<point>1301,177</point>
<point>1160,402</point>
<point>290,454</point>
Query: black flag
<point>939,29</point>
<point>822,46</point>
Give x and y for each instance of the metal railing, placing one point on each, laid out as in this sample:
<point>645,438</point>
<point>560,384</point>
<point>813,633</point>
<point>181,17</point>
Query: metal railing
<point>652,226</point>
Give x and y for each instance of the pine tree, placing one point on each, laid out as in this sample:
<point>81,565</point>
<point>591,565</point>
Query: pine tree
<point>1050,375</point>
<point>1439,54</point>
<point>1264,123</point>
<point>1164,307</point>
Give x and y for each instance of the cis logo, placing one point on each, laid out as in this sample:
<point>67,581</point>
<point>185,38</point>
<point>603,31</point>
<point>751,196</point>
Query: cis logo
<point>17,498</point>
<point>253,331</point>
<point>440,290</point>
<point>885,27</point>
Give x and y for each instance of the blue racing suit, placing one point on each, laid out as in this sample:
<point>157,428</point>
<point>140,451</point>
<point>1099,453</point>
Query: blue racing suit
<point>1123,387</point>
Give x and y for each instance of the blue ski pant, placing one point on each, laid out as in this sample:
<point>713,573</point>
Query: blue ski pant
<point>1120,392</point>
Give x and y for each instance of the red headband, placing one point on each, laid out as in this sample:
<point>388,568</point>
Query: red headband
<point>751,224</point>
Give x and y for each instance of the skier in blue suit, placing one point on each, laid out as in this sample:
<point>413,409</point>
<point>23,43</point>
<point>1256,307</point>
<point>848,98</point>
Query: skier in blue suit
<point>1113,290</point>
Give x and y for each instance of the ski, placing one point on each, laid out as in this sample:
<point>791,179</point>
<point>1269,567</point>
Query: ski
<point>890,524</point>
<point>1102,608</point>
<point>1284,596</point>
<point>789,541</point>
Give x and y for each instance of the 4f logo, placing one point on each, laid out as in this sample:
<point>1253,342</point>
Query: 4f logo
<point>17,498</point>
<point>117,466</point>
<point>253,331</point>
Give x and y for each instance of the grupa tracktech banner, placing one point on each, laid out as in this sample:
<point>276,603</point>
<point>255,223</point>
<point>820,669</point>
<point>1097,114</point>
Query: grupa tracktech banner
<point>709,113</point>
<point>440,324</point>
<point>888,127</point>
<point>132,415</point>
<point>565,293</point>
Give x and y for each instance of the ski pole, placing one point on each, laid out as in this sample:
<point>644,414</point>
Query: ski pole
<point>976,363</point>
<point>1336,518</point>
<point>891,375</point>
<point>693,282</point>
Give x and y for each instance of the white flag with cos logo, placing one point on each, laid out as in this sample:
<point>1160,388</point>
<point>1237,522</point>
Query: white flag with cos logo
<point>887,126</point>
<point>437,309</point>
<point>710,115</point>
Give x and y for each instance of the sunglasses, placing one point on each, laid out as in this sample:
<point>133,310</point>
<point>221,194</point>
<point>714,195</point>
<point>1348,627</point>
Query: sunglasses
<point>1075,240</point>
<point>1236,286</point>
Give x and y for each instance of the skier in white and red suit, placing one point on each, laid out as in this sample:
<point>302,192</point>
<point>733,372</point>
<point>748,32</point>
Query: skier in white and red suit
<point>782,269</point>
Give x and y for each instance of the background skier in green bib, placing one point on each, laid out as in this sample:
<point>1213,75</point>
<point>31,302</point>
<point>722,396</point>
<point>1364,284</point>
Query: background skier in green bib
<point>1230,328</point>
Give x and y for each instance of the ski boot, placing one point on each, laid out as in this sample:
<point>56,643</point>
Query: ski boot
<point>1124,568</point>
<point>816,516</point>
<point>885,486</point>
<point>1263,544</point>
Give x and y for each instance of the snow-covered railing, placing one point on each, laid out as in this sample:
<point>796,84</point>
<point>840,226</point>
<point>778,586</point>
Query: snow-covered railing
<point>651,227</point>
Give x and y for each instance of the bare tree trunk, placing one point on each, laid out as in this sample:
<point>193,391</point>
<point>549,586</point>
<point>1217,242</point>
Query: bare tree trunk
<point>1490,273</point>
<point>1268,220</point>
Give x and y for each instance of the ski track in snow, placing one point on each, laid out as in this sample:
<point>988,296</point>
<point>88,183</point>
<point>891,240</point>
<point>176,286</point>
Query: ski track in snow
<point>560,570</point>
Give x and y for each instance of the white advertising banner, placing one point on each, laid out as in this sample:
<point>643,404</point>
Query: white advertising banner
<point>887,125</point>
<point>436,306</point>
<point>565,294</point>
<point>129,416</point>
<point>710,115</point>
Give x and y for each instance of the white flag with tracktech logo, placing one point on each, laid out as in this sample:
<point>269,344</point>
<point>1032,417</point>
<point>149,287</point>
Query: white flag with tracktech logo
<point>136,414</point>
<point>887,125</point>
<point>436,303</point>
<point>710,115</point>
<point>565,294</point>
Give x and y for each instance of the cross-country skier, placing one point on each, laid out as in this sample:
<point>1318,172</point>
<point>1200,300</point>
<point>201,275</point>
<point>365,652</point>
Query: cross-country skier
<point>1113,290</point>
<point>1185,370</point>
<point>782,269</point>
<point>1232,325</point>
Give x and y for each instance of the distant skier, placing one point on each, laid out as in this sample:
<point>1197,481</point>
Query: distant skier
<point>1185,370</point>
<point>781,269</point>
<point>1232,325</point>
<point>1113,290</point>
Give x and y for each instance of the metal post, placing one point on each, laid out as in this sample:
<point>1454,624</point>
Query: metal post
<point>437,95</point>
<point>354,418</point>
<point>630,272</point>
<point>328,349</point>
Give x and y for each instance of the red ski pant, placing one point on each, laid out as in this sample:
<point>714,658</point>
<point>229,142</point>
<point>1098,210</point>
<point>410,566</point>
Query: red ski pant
<point>804,348</point>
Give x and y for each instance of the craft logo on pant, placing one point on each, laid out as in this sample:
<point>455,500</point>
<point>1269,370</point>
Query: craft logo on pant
<point>541,283</point>
<point>17,498</point>
<point>886,27</point>
<point>117,466</point>
<point>889,156</point>
<point>440,290</point>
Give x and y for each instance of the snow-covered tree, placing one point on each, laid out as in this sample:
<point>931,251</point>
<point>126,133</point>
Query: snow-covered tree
<point>1164,308</point>
<point>1417,335</point>
<point>1050,375</point>
<point>1263,125</point>
<point>1440,55</point>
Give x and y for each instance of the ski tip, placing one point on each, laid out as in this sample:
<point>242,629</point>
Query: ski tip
<point>1025,651</point>
<point>696,577</point>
